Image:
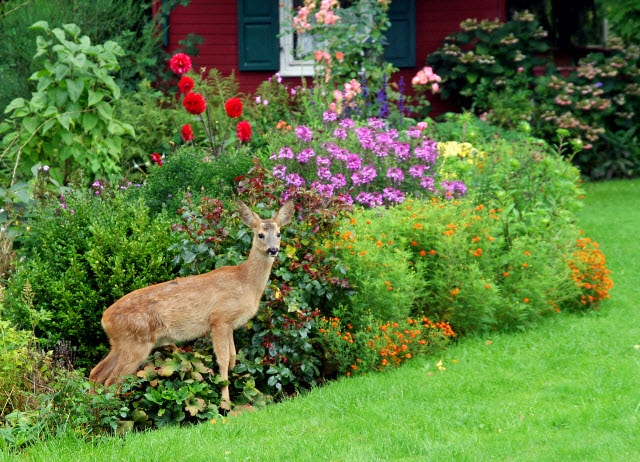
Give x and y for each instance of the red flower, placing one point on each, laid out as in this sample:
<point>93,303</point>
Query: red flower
<point>185,85</point>
<point>194,103</point>
<point>187,132</point>
<point>243,130</point>
<point>156,159</point>
<point>233,106</point>
<point>180,63</point>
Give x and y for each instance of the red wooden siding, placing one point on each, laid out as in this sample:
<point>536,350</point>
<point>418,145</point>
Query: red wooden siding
<point>216,21</point>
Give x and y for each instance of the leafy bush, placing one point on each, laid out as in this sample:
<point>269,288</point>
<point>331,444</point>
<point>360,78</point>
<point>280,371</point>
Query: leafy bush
<point>597,104</point>
<point>482,57</point>
<point>128,22</point>
<point>86,252</point>
<point>68,123</point>
<point>190,173</point>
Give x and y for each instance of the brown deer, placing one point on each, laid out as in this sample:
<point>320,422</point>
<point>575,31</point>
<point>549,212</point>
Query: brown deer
<point>187,308</point>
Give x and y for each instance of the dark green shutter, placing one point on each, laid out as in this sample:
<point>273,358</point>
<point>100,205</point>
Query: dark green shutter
<point>258,27</point>
<point>401,35</point>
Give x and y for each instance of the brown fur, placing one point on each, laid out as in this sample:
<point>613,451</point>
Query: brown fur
<point>187,308</point>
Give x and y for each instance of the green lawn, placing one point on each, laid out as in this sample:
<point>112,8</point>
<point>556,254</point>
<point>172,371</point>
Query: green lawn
<point>568,390</point>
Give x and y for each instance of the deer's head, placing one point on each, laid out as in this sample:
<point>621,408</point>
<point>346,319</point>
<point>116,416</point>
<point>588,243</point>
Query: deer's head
<point>266,232</point>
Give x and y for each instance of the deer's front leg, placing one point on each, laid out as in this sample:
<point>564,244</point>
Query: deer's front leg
<point>222,348</point>
<point>232,352</point>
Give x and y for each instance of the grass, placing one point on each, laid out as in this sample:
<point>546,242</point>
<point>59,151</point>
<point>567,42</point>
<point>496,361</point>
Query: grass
<point>566,391</point>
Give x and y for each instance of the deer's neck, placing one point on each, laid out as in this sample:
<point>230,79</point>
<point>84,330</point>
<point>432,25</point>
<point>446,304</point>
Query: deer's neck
<point>258,267</point>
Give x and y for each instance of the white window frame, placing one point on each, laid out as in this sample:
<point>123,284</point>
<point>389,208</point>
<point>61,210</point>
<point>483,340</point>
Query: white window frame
<point>289,66</point>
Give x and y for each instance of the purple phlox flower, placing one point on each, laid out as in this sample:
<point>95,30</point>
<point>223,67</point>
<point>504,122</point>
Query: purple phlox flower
<point>305,155</point>
<point>414,132</point>
<point>324,173</point>
<point>427,183</point>
<point>304,133</point>
<point>323,161</point>
<point>365,137</point>
<point>365,175</point>
<point>402,150</point>
<point>353,161</point>
<point>336,151</point>
<point>598,84</point>
<point>370,199</point>
<point>418,170</point>
<point>396,174</point>
<point>454,188</point>
<point>339,181</point>
<point>393,195</point>
<point>329,116</point>
<point>325,190</point>
<point>286,153</point>
<point>376,123</point>
<point>340,133</point>
<point>279,171</point>
<point>293,179</point>
<point>347,123</point>
<point>428,151</point>
<point>345,198</point>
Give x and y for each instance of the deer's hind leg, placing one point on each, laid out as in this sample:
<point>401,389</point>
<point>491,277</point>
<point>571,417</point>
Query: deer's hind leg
<point>130,357</point>
<point>104,368</point>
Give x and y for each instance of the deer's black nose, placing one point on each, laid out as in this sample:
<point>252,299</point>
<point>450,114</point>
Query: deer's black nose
<point>273,251</point>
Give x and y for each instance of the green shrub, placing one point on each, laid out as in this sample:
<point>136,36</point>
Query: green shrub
<point>85,253</point>
<point>190,172</point>
<point>68,124</point>
<point>380,269</point>
<point>482,57</point>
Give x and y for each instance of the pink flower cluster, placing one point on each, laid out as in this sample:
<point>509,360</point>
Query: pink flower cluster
<point>426,76</point>
<point>325,14</point>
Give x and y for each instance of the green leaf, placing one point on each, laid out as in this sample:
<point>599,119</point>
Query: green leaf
<point>63,119</point>
<point>94,97</point>
<point>74,87</point>
<point>40,25</point>
<point>89,121</point>
<point>61,71</point>
<point>15,104</point>
<point>105,111</point>
<point>72,29</point>
<point>30,124</point>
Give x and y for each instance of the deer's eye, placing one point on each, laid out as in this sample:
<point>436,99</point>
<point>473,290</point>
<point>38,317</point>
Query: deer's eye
<point>261,236</point>
<point>278,235</point>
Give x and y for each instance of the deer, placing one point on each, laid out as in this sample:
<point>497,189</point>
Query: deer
<point>183,309</point>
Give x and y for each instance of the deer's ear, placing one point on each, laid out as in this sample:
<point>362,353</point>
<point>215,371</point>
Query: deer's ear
<point>247,215</point>
<point>285,214</point>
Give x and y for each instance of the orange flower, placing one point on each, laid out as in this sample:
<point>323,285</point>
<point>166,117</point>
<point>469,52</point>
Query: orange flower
<point>423,253</point>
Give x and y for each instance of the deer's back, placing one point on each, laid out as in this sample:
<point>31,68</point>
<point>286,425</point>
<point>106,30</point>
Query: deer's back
<point>182,309</point>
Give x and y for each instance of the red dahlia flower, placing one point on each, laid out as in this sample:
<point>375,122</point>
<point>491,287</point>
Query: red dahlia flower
<point>187,132</point>
<point>156,159</point>
<point>243,130</point>
<point>180,63</point>
<point>194,103</point>
<point>233,107</point>
<point>185,85</point>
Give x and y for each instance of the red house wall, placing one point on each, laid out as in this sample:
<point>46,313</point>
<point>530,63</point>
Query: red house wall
<point>217,23</point>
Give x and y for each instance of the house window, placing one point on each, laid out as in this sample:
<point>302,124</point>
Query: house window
<point>260,22</point>
<point>292,44</point>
